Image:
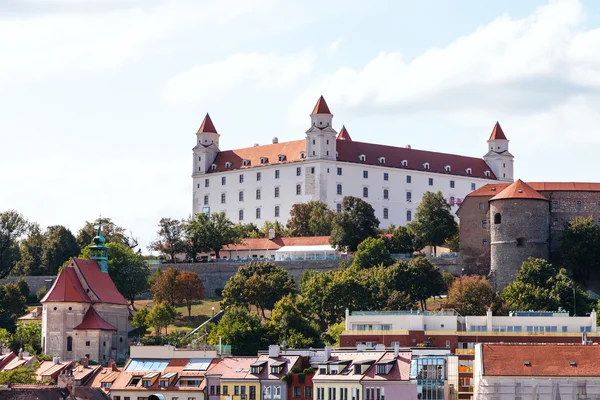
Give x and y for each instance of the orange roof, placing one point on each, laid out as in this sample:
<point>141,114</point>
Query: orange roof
<point>492,189</point>
<point>497,133</point>
<point>207,125</point>
<point>344,135</point>
<point>99,282</point>
<point>291,151</point>
<point>321,107</point>
<point>400,370</point>
<point>92,320</point>
<point>67,287</point>
<point>277,243</point>
<point>544,359</point>
<point>519,190</point>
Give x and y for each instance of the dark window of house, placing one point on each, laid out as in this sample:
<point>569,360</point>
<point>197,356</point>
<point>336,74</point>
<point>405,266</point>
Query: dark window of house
<point>408,179</point>
<point>277,192</point>
<point>206,200</point>
<point>408,215</point>
<point>338,207</point>
<point>451,184</point>
<point>223,180</point>
<point>206,182</point>
<point>483,224</point>
<point>484,242</point>
<point>578,204</point>
<point>386,176</point>
<point>241,215</point>
<point>69,343</point>
<point>87,343</point>
<point>241,178</point>
<point>497,218</point>
<point>276,174</point>
<point>365,192</point>
<point>258,176</point>
<point>277,211</point>
<point>385,213</point>
<point>386,194</point>
<point>554,204</point>
<point>430,181</point>
<point>366,174</point>
<point>472,186</point>
<point>339,172</point>
<point>481,206</point>
<point>298,171</point>
<point>339,189</point>
<point>298,189</point>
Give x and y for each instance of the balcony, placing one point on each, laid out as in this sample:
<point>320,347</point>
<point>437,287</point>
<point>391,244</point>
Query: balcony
<point>375,333</point>
<point>471,333</point>
<point>465,369</point>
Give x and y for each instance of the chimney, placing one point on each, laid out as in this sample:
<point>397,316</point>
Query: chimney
<point>396,350</point>
<point>584,338</point>
<point>274,350</point>
<point>275,140</point>
<point>271,234</point>
<point>327,353</point>
<point>408,146</point>
<point>56,360</point>
<point>85,362</point>
<point>256,145</point>
<point>21,353</point>
<point>113,365</point>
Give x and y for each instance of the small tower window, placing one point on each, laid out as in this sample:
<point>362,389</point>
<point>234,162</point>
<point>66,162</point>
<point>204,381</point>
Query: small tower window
<point>497,219</point>
<point>227,164</point>
<point>362,157</point>
<point>521,242</point>
<point>276,211</point>
<point>469,171</point>
<point>213,167</point>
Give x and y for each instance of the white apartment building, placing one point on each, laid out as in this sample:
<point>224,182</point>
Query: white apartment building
<point>262,183</point>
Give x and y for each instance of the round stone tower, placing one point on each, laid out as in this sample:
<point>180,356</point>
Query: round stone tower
<point>519,228</point>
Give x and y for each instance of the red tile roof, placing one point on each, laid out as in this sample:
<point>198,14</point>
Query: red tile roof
<point>99,282</point>
<point>545,360</point>
<point>67,287</point>
<point>207,125</point>
<point>344,135</point>
<point>400,370</point>
<point>321,107</point>
<point>497,133</point>
<point>92,320</point>
<point>492,189</point>
<point>349,151</point>
<point>277,243</point>
<point>519,190</point>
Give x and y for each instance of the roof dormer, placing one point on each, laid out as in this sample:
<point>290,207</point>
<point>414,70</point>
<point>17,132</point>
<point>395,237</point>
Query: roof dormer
<point>281,157</point>
<point>404,163</point>
<point>469,171</point>
<point>264,160</point>
<point>381,160</point>
<point>245,163</point>
<point>362,157</point>
<point>228,164</point>
<point>303,154</point>
<point>447,168</point>
<point>426,165</point>
<point>487,173</point>
<point>213,167</point>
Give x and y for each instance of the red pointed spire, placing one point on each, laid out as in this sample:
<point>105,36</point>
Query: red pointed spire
<point>497,133</point>
<point>207,125</point>
<point>344,135</point>
<point>321,107</point>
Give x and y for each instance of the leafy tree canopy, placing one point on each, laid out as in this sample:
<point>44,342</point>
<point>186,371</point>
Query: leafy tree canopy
<point>471,295</point>
<point>433,221</point>
<point>289,322</point>
<point>204,233</point>
<point>579,248</point>
<point>310,219</point>
<point>170,238</point>
<point>355,223</point>
<point>372,252</point>
<point>13,227</point>
<point>190,288</point>
<point>242,330</point>
<point>111,232</point>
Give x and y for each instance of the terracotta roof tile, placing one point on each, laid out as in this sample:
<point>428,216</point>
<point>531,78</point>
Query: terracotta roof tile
<point>277,243</point>
<point>99,282</point>
<point>321,107</point>
<point>519,190</point>
<point>291,150</point>
<point>67,287</point>
<point>92,320</point>
<point>545,360</point>
<point>497,133</point>
<point>207,125</point>
<point>344,135</point>
<point>492,189</point>
<point>400,369</point>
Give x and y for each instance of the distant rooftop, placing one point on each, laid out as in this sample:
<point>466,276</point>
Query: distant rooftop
<point>406,312</point>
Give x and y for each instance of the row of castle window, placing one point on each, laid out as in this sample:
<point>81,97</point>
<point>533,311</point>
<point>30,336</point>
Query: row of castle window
<point>277,213</point>
<point>555,206</point>
<point>312,169</point>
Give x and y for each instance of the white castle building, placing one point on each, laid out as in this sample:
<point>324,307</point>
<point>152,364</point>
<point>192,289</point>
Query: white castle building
<point>262,183</point>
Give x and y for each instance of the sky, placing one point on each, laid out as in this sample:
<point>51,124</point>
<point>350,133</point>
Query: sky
<point>100,99</point>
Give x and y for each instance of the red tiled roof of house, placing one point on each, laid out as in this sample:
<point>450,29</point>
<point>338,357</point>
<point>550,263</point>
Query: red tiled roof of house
<point>232,367</point>
<point>349,151</point>
<point>67,287</point>
<point>497,133</point>
<point>321,107</point>
<point>92,320</point>
<point>207,125</point>
<point>277,243</point>
<point>400,370</point>
<point>492,189</point>
<point>519,190</point>
<point>545,360</point>
<point>344,135</point>
<point>99,282</point>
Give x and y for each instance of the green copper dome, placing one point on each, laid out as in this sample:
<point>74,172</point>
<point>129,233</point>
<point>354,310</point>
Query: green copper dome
<point>99,252</point>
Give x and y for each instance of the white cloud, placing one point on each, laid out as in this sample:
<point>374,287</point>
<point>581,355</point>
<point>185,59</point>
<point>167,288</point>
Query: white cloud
<point>336,43</point>
<point>534,61</point>
<point>217,79</point>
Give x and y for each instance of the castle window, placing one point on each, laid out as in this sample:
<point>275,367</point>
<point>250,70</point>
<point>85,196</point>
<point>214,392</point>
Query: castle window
<point>223,180</point>
<point>241,215</point>
<point>483,224</point>
<point>327,141</point>
<point>484,242</point>
<point>70,308</point>
<point>241,178</point>
<point>207,182</point>
<point>213,167</point>
<point>408,215</point>
<point>554,221</point>
<point>430,181</point>
<point>366,174</point>
<point>241,196</point>
<point>87,343</point>
<point>404,163</point>
<point>497,218</point>
<point>276,174</point>
<point>362,157</point>
<point>578,205</point>
<point>386,176</point>
<point>365,192</point>
<point>339,189</point>
<point>385,213</point>
<point>426,165</point>
<point>312,170</point>
<point>408,179</point>
<point>298,189</point>
<point>339,172</point>
<point>473,186</point>
<point>599,204</point>
<point>276,211</point>
<point>451,184</point>
<point>257,194</point>
<point>381,160</point>
<point>223,198</point>
<point>258,213</point>
<point>69,343</point>
<point>409,197</point>
<point>104,344</point>
<point>277,191</point>
<point>298,171</point>
<point>555,204</point>
<point>486,173</point>
<point>245,163</point>
<point>258,176</point>
<point>521,242</point>
<point>338,208</point>
<point>481,206</point>
<point>227,164</point>
<point>386,194</point>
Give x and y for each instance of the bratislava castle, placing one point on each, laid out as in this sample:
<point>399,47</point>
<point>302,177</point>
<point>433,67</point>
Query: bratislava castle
<point>262,183</point>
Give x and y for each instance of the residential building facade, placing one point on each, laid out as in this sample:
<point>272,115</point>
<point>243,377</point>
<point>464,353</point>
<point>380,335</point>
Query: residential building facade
<point>261,183</point>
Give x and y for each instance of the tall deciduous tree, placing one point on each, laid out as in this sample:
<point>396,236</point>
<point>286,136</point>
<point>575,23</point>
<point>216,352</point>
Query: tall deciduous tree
<point>240,329</point>
<point>403,241</point>
<point>170,238</point>
<point>12,305</point>
<point>278,227</point>
<point>165,287</point>
<point>259,284</point>
<point>310,219</point>
<point>204,233</point>
<point>289,322</point>
<point>420,279</point>
<point>472,295</point>
<point>579,248</point>
<point>372,252</point>
<point>59,246</point>
<point>160,316</point>
<point>190,288</point>
<point>355,223</point>
<point>433,221</point>
<point>32,253</point>
<point>111,232</point>
<point>12,228</point>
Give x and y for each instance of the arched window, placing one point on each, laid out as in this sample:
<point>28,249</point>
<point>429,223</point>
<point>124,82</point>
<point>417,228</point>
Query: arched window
<point>69,343</point>
<point>497,218</point>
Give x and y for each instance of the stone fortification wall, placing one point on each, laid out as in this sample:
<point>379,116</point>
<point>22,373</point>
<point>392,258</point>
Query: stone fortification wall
<point>34,282</point>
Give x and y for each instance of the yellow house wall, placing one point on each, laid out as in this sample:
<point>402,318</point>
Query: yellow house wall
<point>231,386</point>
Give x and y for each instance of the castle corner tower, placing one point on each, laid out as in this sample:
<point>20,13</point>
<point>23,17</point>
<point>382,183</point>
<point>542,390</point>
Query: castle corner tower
<point>498,157</point>
<point>320,138</point>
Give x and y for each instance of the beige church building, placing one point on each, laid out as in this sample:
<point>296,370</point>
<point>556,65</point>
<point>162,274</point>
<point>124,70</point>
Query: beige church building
<point>83,314</point>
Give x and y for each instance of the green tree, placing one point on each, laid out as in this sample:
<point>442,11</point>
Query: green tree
<point>154,276</point>
<point>433,221</point>
<point>399,301</point>
<point>12,305</point>
<point>249,230</point>
<point>420,279</point>
<point>190,288</point>
<point>31,250</point>
<point>453,242</point>
<point>12,228</point>
<point>525,296</point>
<point>59,246</point>
<point>536,272</point>
<point>310,219</point>
<point>23,375</point>
<point>278,227</point>
<point>29,337</point>
<point>258,284</point>
<point>289,322</point>
<point>571,297</point>
<point>111,232</point>
<point>170,238</point>
<point>448,279</point>
<point>579,248</point>
<point>471,295</point>
<point>165,288</point>
<point>205,233</point>
<point>160,317</point>
<point>403,241</point>
<point>242,330</point>
<point>355,223</point>
<point>372,252</point>
<point>127,269</point>
<point>140,319</point>
<point>331,337</point>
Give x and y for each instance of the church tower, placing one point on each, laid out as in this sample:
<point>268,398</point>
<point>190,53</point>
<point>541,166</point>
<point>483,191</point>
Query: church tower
<point>207,146</point>
<point>99,252</point>
<point>498,158</point>
<point>320,138</point>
